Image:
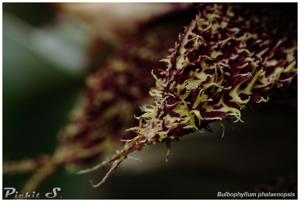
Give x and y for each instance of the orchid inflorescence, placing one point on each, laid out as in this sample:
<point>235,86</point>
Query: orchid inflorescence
<point>220,63</point>
<point>228,56</point>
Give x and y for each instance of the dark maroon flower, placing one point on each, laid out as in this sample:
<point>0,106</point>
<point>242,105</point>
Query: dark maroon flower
<point>228,56</point>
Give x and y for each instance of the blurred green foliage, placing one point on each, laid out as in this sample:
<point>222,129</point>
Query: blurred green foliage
<point>37,97</point>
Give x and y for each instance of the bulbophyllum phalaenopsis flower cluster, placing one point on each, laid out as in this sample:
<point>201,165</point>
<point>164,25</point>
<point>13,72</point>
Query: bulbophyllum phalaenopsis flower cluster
<point>227,57</point>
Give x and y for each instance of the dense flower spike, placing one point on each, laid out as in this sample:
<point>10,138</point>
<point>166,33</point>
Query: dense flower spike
<point>227,57</point>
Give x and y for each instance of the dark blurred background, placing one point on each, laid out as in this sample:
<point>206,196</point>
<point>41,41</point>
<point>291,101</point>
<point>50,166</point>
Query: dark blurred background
<point>47,54</point>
